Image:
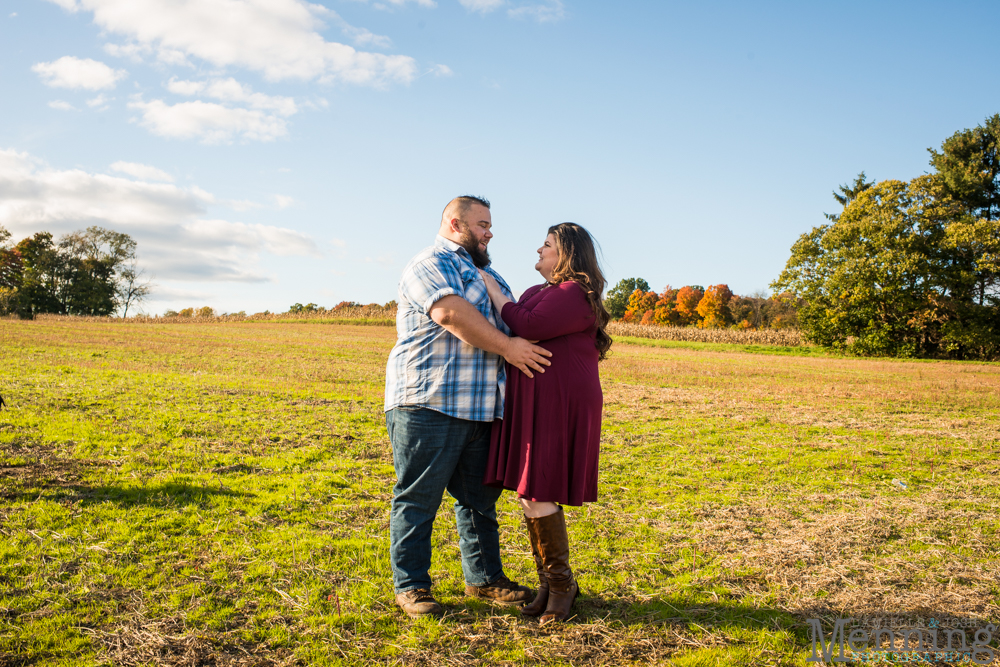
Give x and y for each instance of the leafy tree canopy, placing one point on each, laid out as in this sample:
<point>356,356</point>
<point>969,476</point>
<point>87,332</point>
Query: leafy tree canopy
<point>89,272</point>
<point>616,300</point>
<point>908,269</point>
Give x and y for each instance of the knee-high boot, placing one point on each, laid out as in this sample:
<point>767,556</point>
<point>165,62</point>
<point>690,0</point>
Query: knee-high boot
<point>536,606</point>
<point>553,547</point>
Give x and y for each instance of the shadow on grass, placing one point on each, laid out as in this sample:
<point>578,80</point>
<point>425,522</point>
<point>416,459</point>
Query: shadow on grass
<point>591,609</point>
<point>164,495</point>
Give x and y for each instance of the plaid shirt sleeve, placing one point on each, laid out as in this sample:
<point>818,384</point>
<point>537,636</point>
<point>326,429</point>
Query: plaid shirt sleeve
<point>426,282</point>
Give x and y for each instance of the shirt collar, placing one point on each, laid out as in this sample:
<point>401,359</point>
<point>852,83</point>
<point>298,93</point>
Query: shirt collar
<point>442,242</point>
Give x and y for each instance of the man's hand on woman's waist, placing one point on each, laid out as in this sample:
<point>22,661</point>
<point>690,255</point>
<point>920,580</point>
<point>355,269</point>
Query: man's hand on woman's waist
<point>464,321</point>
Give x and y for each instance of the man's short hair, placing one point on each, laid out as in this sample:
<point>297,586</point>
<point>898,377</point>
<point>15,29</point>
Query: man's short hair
<point>465,202</point>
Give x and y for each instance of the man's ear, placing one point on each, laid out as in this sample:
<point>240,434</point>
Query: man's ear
<point>455,225</point>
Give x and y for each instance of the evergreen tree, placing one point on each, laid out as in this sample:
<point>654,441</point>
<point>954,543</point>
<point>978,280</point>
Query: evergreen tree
<point>969,166</point>
<point>849,193</point>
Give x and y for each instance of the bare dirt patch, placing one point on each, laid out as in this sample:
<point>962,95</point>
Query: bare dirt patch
<point>867,557</point>
<point>26,463</point>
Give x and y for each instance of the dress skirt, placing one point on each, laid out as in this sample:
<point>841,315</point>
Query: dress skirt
<point>547,446</point>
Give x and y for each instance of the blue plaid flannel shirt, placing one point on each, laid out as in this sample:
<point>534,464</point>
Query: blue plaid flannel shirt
<point>431,368</point>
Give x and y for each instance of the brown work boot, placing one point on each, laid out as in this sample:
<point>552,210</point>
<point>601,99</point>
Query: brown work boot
<point>553,546</point>
<point>537,606</point>
<point>501,591</point>
<point>418,603</point>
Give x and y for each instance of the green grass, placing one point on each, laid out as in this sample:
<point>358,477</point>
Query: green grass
<point>219,494</point>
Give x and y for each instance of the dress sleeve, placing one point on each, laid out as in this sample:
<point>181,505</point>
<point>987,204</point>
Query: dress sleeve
<point>562,309</point>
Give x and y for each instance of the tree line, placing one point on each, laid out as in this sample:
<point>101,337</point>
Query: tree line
<point>906,269</point>
<point>631,300</point>
<point>88,272</point>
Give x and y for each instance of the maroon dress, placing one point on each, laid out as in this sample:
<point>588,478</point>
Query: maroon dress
<point>546,448</point>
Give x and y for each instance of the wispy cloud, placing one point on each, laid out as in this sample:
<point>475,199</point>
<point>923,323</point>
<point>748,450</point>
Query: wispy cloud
<point>231,90</point>
<point>389,4</point>
<point>482,6</point>
<point>176,240</point>
<point>552,10</point>
<point>142,171</point>
<point>78,73</point>
<point>279,38</point>
<point>99,103</point>
<point>210,122</point>
<point>62,105</point>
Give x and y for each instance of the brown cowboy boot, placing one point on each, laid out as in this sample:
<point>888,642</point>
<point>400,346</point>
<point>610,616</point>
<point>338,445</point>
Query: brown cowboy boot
<point>537,606</point>
<point>553,546</point>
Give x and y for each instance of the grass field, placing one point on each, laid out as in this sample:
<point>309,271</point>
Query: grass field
<point>217,494</point>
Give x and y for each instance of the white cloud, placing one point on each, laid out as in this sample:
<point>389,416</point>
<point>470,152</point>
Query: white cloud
<point>552,10</point>
<point>170,295</point>
<point>282,201</point>
<point>399,3</point>
<point>142,171</point>
<point>211,123</point>
<point>61,105</point>
<point>231,90</point>
<point>173,57</point>
<point>279,38</point>
<point>175,241</point>
<point>100,103</point>
<point>242,204</point>
<point>482,6</point>
<point>186,88</point>
<point>133,52</point>
<point>72,72</point>
<point>365,37</point>
<point>441,70</point>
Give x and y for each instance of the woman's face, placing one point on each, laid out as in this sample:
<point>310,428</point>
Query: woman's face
<point>548,257</point>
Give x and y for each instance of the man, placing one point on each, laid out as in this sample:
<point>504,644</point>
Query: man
<point>444,387</point>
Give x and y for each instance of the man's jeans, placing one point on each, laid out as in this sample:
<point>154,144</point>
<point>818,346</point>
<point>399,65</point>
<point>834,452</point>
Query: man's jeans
<point>433,452</point>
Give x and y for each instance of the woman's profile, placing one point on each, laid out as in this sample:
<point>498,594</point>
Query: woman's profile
<point>546,448</point>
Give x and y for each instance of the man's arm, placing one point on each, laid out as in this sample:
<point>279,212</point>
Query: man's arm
<point>462,320</point>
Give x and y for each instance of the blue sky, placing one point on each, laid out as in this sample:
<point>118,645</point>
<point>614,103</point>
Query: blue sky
<point>267,152</point>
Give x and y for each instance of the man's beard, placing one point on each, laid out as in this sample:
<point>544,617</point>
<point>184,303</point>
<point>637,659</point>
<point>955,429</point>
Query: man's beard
<point>481,258</point>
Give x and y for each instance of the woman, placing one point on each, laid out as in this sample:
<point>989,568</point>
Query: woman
<point>546,447</point>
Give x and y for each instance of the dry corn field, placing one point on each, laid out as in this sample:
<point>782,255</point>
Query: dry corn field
<point>782,337</point>
<point>217,494</point>
<point>370,314</point>
<point>373,314</point>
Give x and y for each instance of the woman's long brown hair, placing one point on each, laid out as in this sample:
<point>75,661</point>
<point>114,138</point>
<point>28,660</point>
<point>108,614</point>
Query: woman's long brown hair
<point>578,262</point>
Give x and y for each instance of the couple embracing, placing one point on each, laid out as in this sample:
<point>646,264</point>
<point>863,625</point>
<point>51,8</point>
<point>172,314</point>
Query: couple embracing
<point>483,394</point>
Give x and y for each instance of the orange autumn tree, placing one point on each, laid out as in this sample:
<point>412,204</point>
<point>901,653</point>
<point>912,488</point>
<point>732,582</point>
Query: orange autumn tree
<point>665,310</point>
<point>688,298</point>
<point>638,304</point>
<point>714,307</point>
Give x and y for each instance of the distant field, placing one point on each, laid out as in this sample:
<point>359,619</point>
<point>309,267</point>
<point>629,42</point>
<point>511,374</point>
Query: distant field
<point>218,494</point>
